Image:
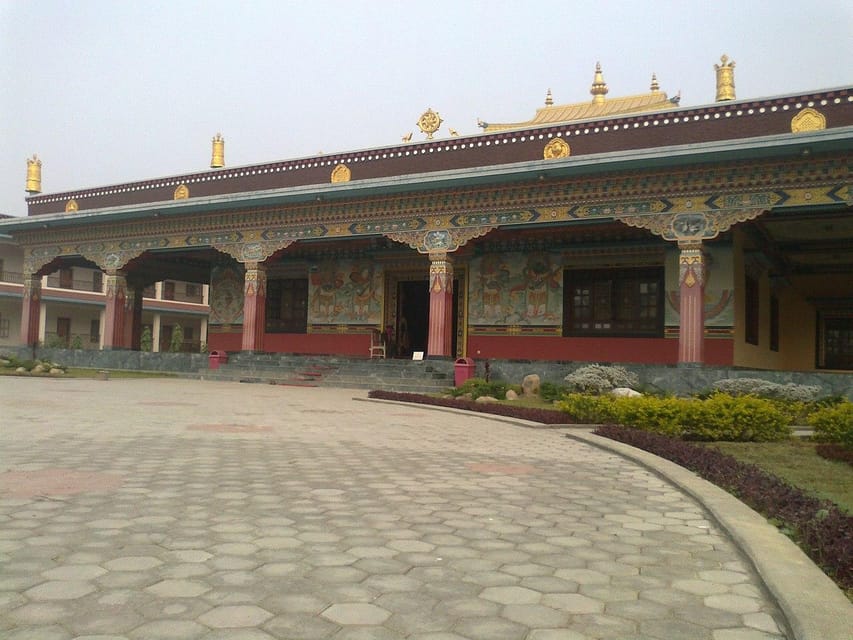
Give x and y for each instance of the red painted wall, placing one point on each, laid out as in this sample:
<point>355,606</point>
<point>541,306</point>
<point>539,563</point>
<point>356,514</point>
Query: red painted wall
<point>640,350</point>
<point>316,343</point>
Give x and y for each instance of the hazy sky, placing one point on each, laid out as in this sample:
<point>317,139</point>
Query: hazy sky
<point>108,91</point>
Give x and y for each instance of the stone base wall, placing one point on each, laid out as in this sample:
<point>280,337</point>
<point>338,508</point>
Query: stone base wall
<point>116,359</point>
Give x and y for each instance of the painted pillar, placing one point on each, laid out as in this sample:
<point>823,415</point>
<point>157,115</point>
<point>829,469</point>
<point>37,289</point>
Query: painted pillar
<point>254,307</point>
<point>31,311</point>
<point>155,333</point>
<point>202,332</point>
<point>115,286</point>
<point>440,340</point>
<point>691,281</point>
<point>133,318</point>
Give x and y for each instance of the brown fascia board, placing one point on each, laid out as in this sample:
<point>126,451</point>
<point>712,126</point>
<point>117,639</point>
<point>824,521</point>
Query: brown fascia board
<point>688,125</point>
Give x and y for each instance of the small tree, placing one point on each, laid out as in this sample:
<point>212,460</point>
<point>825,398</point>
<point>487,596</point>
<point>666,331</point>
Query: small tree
<point>177,339</point>
<point>146,342</point>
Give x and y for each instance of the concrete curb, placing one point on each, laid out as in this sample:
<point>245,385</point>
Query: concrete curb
<point>815,608</point>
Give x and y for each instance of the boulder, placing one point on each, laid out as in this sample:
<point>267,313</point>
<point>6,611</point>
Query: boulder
<point>530,385</point>
<point>625,392</point>
<point>20,370</point>
<point>486,399</point>
<point>511,395</point>
<point>55,371</point>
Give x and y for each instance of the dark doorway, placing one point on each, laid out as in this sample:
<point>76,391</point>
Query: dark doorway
<point>412,329</point>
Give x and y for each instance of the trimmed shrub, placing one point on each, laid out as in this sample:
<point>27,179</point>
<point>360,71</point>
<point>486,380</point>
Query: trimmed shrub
<point>598,379</point>
<point>834,423</point>
<point>766,389</point>
<point>649,413</point>
<point>586,409</point>
<point>724,417</point>
<point>479,387</point>
<point>550,392</point>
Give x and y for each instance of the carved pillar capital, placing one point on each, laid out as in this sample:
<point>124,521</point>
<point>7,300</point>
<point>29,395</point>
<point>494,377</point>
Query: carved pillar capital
<point>252,252</point>
<point>438,240</point>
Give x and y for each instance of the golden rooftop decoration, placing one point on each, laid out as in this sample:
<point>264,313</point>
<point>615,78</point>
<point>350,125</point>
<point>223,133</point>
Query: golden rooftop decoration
<point>557,148</point>
<point>598,107</point>
<point>71,206</point>
<point>429,122</point>
<point>599,86</point>
<point>407,137</point>
<point>725,79</point>
<point>33,175</point>
<point>341,173</point>
<point>808,120</point>
<point>182,192</point>
<point>217,160</point>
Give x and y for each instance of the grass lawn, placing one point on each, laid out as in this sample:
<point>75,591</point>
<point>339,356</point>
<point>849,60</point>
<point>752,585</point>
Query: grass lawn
<point>796,462</point>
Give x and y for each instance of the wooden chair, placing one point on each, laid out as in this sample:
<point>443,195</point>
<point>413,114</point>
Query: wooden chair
<point>377,346</point>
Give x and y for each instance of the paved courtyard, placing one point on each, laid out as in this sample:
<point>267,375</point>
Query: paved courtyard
<point>184,509</point>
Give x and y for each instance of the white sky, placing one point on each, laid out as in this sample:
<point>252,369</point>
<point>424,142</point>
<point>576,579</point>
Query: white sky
<point>108,91</point>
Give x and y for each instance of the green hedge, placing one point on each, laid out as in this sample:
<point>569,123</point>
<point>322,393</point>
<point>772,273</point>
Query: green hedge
<point>834,424</point>
<point>720,417</point>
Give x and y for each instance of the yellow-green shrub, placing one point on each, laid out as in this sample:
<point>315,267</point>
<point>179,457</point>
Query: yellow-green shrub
<point>587,408</point>
<point>745,418</point>
<point>834,424</point>
<point>650,413</point>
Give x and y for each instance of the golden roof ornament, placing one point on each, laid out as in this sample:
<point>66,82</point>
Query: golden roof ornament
<point>599,86</point>
<point>33,175</point>
<point>217,160</point>
<point>655,87</point>
<point>549,99</point>
<point>429,122</point>
<point>725,79</point>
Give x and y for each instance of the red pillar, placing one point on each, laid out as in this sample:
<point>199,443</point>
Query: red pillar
<point>440,338</point>
<point>115,314</point>
<point>31,312</point>
<point>691,280</point>
<point>133,318</point>
<point>254,307</point>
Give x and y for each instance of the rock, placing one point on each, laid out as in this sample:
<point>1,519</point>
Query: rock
<point>625,392</point>
<point>511,395</point>
<point>530,385</point>
<point>39,368</point>
<point>486,399</point>
<point>55,371</point>
<point>20,370</point>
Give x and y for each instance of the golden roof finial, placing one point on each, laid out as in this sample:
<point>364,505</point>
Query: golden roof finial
<point>33,175</point>
<point>217,160</point>
<point>725,79</point>
<point>655,86</point>
<point>549,99</point>
<point>599,86</point>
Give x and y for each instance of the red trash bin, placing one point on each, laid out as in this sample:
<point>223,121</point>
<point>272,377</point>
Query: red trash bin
<point>463,369</point>
<point>215,358</point>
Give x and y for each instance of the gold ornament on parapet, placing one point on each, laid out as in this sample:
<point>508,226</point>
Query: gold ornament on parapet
<point>71,206</point>
<point>429,123</point>
<point>557,148</point>
<point>341,173</point>
<point>182,192</point>
<point>808,120</point>
<point>33,175</point>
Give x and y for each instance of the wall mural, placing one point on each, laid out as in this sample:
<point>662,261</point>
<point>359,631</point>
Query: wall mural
<point>226,294</point>
<point>345,292</point>
<point>516,289</point>
<point>719,287</point>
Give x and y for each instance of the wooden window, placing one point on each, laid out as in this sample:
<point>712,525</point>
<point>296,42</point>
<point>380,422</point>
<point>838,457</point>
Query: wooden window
<point>66,278</point>
<point>837,338</point>
<point>168,290</point>
<point>287,305</point>
<point>616,302</point>
<point>97,281</point>
<point>94,330</point>
<point>4,327</point>
<point>774,323</point>
<point>751,303</point>
<point>192,290</point>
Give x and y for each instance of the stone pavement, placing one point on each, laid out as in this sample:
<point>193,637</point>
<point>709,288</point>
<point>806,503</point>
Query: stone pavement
<point>183,509</point>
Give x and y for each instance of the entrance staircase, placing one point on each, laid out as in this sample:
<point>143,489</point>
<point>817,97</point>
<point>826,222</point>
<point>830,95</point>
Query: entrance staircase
<point>426,376</point>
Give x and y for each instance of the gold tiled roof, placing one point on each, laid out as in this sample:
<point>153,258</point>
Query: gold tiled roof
<point>598,107</point>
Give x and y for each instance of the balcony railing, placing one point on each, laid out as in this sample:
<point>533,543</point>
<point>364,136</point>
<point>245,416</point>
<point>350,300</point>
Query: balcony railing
<point>71,341</point>
<point>76,285</point>
<point>12,276</point>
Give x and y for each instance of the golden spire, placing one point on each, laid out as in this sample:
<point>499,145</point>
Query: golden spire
<point>549,99</point>
<point>725,79</point>
<point>217,160</point>
<point>599,86</point>
<point>655,86</point>
<point>33,175</point>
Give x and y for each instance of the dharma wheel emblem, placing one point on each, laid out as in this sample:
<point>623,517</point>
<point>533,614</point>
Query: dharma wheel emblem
<point>429,122</point>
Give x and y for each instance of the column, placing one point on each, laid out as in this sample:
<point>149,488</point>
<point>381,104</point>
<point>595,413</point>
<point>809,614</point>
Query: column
<point>691,281</point>
<point>155,333</point>
<point>31,311</point>
<point>133,318</point>
<point>202,332</point>
<point>440,338</point>
<point>114,316</point>
<point>254,307</point>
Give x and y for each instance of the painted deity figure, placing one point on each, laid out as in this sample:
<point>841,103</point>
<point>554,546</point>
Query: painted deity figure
<point>494,277</point>
<point>538,278</point>
<point>361,281</point>
<point>326,281</point>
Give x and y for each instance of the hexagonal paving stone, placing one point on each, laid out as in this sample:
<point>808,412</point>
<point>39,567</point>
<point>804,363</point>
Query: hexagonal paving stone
<point>60,590</point>
<point>74,572</point>
<point>235,616</point>
<point>733,603</point>
<point>178,588</point>
<point>511,595</point>
<point>133,563</point>
<point>572,603</point>
<point>356,613</point>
